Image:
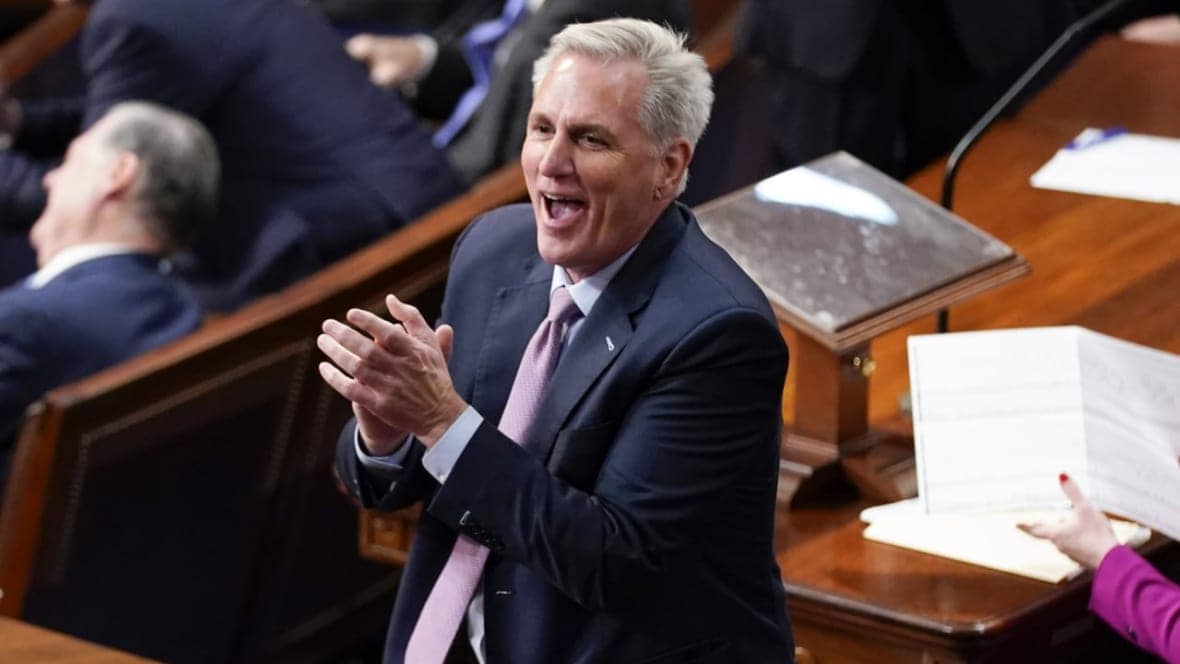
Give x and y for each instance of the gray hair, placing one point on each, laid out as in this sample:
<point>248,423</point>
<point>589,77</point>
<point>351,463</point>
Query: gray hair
<point>176,190</point>
<point>679,93</point>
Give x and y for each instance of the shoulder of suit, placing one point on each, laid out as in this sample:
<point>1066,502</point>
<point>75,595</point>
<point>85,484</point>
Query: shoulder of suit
<point>23,320</point>
<point>712,271</point>
<point>510,229</point>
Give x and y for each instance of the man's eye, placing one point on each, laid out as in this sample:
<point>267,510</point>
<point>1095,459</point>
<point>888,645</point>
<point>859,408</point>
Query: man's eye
<point>541,128</point>
<point>594,140</point>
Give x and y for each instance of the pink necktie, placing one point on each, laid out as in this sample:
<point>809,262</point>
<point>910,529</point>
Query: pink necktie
<point>452,592</point>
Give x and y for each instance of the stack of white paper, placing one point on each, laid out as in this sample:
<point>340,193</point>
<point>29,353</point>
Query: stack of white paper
<point>1106,163</point>
<point>998,415</point>
<point>990,539</point>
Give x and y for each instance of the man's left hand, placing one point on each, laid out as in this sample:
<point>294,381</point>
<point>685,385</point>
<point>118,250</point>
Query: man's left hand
<point>396,371</point>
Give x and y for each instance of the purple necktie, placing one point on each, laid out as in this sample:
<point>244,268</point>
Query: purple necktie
<point>479,50</point>
<point>452,592</point>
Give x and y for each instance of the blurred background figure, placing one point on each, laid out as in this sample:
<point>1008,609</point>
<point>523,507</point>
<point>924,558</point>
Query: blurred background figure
<point>387,16</point>
<point>474,74</point>
<point>894,83</point>
<point>132,189</point>
<point>1128,593</point>
<point>317,162</point>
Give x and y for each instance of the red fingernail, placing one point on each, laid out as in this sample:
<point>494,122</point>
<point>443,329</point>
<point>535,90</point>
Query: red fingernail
<point>1062,478</point>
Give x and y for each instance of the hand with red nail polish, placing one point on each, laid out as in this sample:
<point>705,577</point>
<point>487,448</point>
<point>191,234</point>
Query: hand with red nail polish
<point>1084,535</point>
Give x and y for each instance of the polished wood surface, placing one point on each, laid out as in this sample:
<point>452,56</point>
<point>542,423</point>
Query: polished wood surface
<point>1108,264</point>
<point>38,40</point>
<point>844,252</point>
<point>24,643</point>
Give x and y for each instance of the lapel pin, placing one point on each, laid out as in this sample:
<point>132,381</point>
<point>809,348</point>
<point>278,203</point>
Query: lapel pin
<point>610,345</point>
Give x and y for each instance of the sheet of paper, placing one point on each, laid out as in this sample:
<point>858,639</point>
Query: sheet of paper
<point>906,507</point>
<point>997,417</point>
<point>1135,166</point>
<point>999,414</point>
<point>1131,401</point>
<point>989,540</point>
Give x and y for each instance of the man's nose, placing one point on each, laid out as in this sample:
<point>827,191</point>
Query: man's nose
<point>558,158</point>
<point>47,180</point>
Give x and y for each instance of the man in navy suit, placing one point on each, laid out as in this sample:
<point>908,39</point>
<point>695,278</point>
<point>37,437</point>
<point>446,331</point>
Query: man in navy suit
<point>317,161</point>
<point>633,522</point>
<point>134,187</point>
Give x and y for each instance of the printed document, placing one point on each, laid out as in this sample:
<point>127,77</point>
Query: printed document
<point>999,414</point>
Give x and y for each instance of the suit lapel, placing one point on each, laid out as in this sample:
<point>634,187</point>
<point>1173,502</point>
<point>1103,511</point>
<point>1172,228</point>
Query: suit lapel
<point>606,331</point>
<point>515,315</point>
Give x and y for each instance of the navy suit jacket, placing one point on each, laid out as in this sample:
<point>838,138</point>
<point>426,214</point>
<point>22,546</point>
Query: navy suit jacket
<point>316,160</point>
<point>93,315</point>
<point>635,523</point>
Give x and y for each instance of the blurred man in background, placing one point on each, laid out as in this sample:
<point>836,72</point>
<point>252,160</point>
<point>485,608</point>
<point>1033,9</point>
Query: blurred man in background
<point>132,189</point>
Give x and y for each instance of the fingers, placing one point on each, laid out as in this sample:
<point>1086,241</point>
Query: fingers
<point>386,74</point>
<point>1039,529</point>
<point>446,340</point>
<point>361,47</point>
<point>391,336</point>
<point>346,337</point>
<point>357,355</point>
<point>395,337</point>
<point>409,316</point>
<point>347,387</point>
<point>1073,492</point>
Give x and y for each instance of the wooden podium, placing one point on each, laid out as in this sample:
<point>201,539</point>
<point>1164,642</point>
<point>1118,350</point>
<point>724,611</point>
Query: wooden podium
<point>844,254</point>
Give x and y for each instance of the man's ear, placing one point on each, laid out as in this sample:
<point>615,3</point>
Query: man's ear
<point>672,167</point>
<point>122,175</point>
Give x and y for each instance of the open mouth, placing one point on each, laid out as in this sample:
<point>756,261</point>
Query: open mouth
<point>562,209</point>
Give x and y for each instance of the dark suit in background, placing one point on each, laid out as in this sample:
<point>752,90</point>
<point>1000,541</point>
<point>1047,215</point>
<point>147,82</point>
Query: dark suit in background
<point>316,161</point>
<point>396,16</point>
<point>493,135</point>
<point>91,316</point>
<point>635,521</point>
<point>895,83</point>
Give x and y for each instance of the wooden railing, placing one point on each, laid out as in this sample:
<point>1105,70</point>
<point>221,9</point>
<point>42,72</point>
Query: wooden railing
<point>39,40</point>
<point>130,489</point>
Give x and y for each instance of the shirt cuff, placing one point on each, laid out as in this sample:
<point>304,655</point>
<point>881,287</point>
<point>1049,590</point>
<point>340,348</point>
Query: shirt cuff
<point>441,458</point>
<point>387,462</point>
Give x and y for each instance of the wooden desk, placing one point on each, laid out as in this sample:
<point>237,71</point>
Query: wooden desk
<point>21,642</point>
<point>1108,264</point>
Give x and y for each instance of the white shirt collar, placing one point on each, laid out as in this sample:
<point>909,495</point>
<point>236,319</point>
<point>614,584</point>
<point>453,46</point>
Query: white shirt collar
<point>586,292</point>
<point>72,256</point>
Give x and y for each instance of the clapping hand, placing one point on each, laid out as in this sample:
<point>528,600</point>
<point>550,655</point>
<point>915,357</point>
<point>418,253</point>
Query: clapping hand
<point>394,373</point>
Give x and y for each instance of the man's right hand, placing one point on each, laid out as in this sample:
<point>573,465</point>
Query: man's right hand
<point>392,61</point>
<point>347,346</point>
